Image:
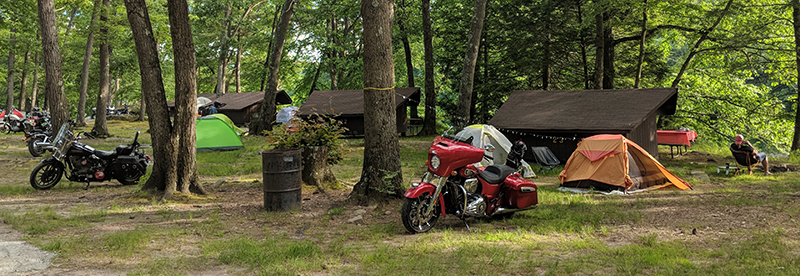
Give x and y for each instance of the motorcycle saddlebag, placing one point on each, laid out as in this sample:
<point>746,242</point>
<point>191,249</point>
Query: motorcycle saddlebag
<point>127,165</point>
<point>520,192</point>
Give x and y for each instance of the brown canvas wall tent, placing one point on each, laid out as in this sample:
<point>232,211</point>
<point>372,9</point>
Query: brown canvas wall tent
<point>612,162</point>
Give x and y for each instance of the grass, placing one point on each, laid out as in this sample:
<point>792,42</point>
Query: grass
<point>578,234</point>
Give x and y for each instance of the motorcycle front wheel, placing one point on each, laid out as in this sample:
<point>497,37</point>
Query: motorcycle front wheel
<point>46,175</point>
<point>35,151</point>
<point>413,214</point>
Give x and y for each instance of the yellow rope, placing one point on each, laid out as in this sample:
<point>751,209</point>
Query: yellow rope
<point>379,89</point>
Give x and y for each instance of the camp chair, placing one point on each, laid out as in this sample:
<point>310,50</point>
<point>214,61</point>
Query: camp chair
<point>745,158</point>
<point>546,158</point>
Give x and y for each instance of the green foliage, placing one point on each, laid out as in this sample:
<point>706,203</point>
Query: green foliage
<point>317,130</point>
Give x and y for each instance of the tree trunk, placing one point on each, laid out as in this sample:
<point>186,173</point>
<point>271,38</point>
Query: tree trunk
<point>35,90</point>
<point>70,24</point>
<point>142,108</point>
<point>637,83</point>
<point>587,81</point>
<point>54,80</point>
<point>470,58</point>
<point>185,95</point>
<point>316,77</point>
<point>429,125</point>
<point>105,59</point>
<point>272,39</point>
<point>87,60</point>
<point>381,175</point>
<point>222,60</point>
<point>266,116</point>
<point>703,38</point>
<point>334,71</point>
<point>239,66</point>
<point>609,71</point>
<point>409,65</point>
<point>163,177</point>
<point>599,53</point>
<point>10,82</point>
<point>796,23</point>
<point>23,87</point>
<point>316,171</point>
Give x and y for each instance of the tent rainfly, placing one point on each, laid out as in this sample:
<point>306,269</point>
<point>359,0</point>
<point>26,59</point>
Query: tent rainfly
<point>214,133</point>
<point>611,162</point>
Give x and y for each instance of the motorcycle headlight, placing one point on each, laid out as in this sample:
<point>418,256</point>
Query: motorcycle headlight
<point>435,162</point>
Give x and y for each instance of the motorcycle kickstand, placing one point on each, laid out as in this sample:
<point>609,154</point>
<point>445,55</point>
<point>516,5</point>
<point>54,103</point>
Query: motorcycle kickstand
<point>466,224</point>
<point>87,186</point>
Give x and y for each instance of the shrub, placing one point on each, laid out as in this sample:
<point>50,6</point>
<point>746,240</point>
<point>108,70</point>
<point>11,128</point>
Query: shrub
<point>317,130</point>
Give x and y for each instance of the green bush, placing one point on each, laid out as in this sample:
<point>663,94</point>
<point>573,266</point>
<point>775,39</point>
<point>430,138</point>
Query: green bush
<point>317,130</point>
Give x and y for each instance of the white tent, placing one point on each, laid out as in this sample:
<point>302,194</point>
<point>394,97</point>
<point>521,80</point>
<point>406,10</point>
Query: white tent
<point>487,134</point>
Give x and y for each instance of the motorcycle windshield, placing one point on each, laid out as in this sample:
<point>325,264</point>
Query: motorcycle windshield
<point>62,141</point>
<point>458,134</point>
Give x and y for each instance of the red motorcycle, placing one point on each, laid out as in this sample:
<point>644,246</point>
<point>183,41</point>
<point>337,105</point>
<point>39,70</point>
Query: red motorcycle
<point>455,185</point>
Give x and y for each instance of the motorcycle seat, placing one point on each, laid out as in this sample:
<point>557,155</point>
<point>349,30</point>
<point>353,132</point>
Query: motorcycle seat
<point>495,174</point>
<point>105,154</point>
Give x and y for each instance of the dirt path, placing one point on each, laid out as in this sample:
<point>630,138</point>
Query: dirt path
<point>18,257</point>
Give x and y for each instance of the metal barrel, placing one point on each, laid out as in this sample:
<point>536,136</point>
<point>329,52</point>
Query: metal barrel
<point>282,179</point>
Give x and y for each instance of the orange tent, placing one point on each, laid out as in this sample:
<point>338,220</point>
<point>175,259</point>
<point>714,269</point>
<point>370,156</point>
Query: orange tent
<point>612,162</point>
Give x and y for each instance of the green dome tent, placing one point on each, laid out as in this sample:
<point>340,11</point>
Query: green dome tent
<point>214,133</point>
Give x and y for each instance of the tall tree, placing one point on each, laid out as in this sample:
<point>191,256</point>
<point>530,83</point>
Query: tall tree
<point>35,89</point>
<point>407,53</point>
<point>222,60</point>
<point>164,141</point>
<point>105,59</point>
<point>266,116</point>
<point>599,50</point>
<point>638,81</point>
<point>54,79</point>
<point>429,125</point>
<point>87,60</point>
<point>470,58</point>
<point>796,25</point>
<point>10,82</point>
<point>696,48</point>
<point>185,95</point>
<point>381,174</point>
<point>23,87</point>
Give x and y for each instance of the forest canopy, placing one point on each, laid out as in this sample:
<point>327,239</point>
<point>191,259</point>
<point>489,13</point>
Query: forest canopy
<point>733,61</point>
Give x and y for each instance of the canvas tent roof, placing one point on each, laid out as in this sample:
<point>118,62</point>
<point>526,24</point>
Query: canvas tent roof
<point>487,134</point>
<point>583,110</point>
<point>236,101</point>
<point>347,102</point>
<point>214,133</point>
<point>612,162</point>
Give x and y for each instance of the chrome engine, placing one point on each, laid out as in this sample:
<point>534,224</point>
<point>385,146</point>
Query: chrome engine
<point>86,167</point>
<point>476,206</point>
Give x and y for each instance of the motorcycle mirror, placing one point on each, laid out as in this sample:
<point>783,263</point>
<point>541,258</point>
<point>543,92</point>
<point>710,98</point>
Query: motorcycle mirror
<point>136,138</point>
<point>488,147</point>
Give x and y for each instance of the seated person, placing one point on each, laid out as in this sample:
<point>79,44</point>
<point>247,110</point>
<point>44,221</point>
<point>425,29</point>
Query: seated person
<point>743,146</point>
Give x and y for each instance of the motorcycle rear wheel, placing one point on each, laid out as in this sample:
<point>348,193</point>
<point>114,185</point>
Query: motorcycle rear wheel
<point>46,175</point>
<point>412,214</point>
<point>129,180</point>
<point>33,149</point>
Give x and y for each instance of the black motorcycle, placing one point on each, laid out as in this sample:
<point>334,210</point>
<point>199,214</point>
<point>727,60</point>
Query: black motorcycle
<point>82,163</point>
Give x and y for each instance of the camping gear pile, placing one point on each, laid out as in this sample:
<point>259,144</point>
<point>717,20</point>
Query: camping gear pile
<point>611,162</point>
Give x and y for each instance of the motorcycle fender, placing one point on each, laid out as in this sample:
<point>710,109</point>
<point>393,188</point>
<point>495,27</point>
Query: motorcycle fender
<point>422,188</point>
<point>415,192</point>
<point>54,161</point>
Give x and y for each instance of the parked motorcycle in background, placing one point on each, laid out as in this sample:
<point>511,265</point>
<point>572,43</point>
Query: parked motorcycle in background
<point>82,163</point>
<point>455,185</point>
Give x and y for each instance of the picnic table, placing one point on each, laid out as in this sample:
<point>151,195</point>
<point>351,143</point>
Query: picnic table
<point>676,138</point>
